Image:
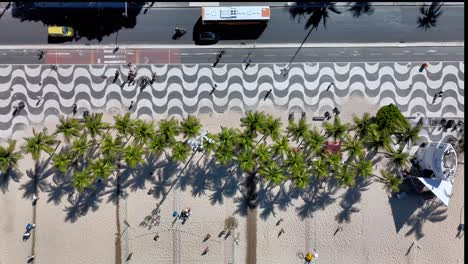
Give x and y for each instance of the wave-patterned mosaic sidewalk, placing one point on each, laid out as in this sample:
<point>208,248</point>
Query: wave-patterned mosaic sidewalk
<point>185,89</point>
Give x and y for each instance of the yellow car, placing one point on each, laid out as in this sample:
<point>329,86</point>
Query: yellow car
<point>56,31</point>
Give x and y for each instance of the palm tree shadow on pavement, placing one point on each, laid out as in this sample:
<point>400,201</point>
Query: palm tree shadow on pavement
<point>318,13</point>
<point>429,15</point>
<point>351,197</point>
<point>360,8</point>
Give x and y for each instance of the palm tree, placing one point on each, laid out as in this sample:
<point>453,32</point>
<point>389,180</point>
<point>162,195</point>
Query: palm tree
<point>363,168</point>
<point>320,168</point>
<point>143,132</point>
<point>272,172</point>
<point>133,155</point>
<point>168,130</point>
<point>156,145</point>
<point>271,128</point>
<point>101,168</point>
<point>81,146</point>
<point>190,127</point>
<point>95,126</point>
<point>295,161</point>
<point>429,15</point>
<point>337,130</point>
<point>354,147</point>
<point>345,176</point>
<point>399,160</point>
<point>390,180</point>
<point>253,122</point>
<point>111,148</point>
<point>334,161</point>
<point>69,127</point>
<point>280,147</point>
<point>409,134</point>
<point>298,131</point>
<point>39,142</point>
<point>62,161</point>
<point>246,161</point>
<point>82,179</point>
<point>363,127</point>
<point>244,140</point>
<point>262,152</point>
<point>225,154</point>
<point>180,152</point>
<point>228,137</point>
<point>378,141</point>
<point>9,157</point>
<point>124,125</point>
<point>300,178</point>
<point>314,142</point>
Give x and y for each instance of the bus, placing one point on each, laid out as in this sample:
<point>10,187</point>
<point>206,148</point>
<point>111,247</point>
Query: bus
<point>235,15</point>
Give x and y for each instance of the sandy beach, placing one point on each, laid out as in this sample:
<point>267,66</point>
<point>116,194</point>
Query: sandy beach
<point>375,228</point>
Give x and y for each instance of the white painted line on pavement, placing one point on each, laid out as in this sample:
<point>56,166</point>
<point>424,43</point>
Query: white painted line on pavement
<point>270,55</point>
<point>441,53</point>
<point>58,53</point>
<point>115,61</point>
<point>418,54</point>
<point>238,46</point>
<point>398,54</point>
<point>204,4</point>
<point>375,54</point>
<point>114,56</point>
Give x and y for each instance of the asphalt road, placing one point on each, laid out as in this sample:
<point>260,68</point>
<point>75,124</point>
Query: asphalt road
<point>386,24</point>
<point>278,55</point>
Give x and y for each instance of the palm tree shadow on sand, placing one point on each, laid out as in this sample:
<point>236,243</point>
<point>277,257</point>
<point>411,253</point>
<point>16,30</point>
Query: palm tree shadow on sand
<point>429,15</point>
<point>350,198</point>
<point>12,175</point>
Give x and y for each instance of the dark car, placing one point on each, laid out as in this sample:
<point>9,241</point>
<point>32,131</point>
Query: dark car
<point>208,37</point>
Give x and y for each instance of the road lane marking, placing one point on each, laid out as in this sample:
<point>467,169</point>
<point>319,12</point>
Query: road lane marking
<point>270,55</point>
<point>375,54</point>
<point>441,53</point>
<point>398,54</point>
<point>418,54</point>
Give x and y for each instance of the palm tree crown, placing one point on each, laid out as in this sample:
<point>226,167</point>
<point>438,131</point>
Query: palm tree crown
<point>69,127</point>
<point>9,157</point>
<point>39,142</point>
<point>190,127</point>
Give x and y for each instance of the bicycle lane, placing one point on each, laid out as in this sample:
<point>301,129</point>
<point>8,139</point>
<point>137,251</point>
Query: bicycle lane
<point>111,56</point>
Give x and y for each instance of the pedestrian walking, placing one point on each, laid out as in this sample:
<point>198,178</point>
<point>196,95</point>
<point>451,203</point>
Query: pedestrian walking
<point>26,236</point>
<point>423,67</point>
<point>338,229</point>
<point>213,88</point>
<point>156,237</point>
<point>437,95</point>
<point>327,115</point>
<point>30,226</point>
<point>291,117</point>
<point>329,86</point>
<point>35,198</point>
<point>39,99</point>
<point>116,76</point>
<point>205,251</point>
<point>281,232</point>
<point>85,114</point>
<point>215,63</point>
<point>267,94</point>
<point>279,221</point>
<point>30,259</point>
<point>150,191</point>
<point>74,110</point>
<point>54,67</point>
<point>153,78</point>
<point>303,115</point>
<point>207,236</point>
<point>41,54</point>
<point>336,111</point>
<point>131,105</point>
<point>247,64</point>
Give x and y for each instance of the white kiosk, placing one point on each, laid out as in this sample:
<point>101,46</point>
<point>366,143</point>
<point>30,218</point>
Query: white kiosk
<point>441,159</point>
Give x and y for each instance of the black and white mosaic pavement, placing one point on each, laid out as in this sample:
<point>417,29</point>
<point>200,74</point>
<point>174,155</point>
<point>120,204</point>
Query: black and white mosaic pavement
<point>185,89</point>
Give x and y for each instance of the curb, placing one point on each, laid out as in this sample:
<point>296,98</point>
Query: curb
<point>240,46</point>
